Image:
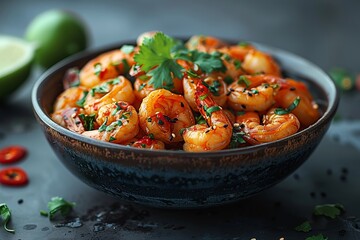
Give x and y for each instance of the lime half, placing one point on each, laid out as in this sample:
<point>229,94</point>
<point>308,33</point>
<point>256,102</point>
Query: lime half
<point>16,57</point>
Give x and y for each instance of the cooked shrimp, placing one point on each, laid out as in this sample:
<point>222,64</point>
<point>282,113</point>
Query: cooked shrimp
<point>148,142</point>
<point>307,111</point>
<point>163,114</point>
<point>272,128</point>
<point>215,84</point>
<point>114,90</point>
<point>204,43</point>
<point>259,62</point>
<point>244,97</point>
<point>118,123</point>
<point>69,98</point>
<point>216,134</point>
<point>106,66</point>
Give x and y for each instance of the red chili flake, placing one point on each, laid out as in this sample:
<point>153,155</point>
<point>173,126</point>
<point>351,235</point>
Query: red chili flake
<point>13,176</point>
<point>12,154</point>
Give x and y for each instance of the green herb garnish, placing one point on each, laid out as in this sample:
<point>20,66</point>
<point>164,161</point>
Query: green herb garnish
<point>228,80</point>
<point>88,121</point>
<point>5,215</point>
<point>237,138</point>
<point>245,80</point>
<point>58,204</point>
<point>103,126</point>
<point>329,210</point>
<point>81,102</point>
<point>293,105</point>
<point>212,109</point>
<point>112,139</point>
<point>304,227</point>
<point>214,88</point>
<point>317,237</point>
<point>97,69</point>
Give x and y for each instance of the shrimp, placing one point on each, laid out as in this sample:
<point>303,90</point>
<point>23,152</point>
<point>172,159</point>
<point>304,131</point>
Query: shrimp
<point>307,111</point>
<point>259,62</point>
<point>106,66</point>
<point>118,123</point>
<point>273,127</point>
<point>163,114</point>
<point>204,43</point>
<point>246,95</point>
<point>117,89</point>
<point>69,98</point>
<point>216,134</point>
<point>216,85</point>
<point>148,142</point>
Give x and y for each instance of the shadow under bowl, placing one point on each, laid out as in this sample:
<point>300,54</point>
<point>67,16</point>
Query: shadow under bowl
<point>178,179</point>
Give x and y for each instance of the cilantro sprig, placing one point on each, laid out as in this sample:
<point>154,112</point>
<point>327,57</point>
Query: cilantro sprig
<point>5,215</point>
<point>158,56</point>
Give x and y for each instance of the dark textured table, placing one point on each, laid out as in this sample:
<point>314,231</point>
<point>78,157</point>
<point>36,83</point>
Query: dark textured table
<point>325,32</point>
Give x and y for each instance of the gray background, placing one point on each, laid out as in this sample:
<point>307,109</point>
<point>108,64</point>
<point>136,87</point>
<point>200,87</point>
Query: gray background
<point>326,32</point>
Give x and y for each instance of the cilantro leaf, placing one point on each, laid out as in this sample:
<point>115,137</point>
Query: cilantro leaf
<point>293,105</point>
<point>161,77</point>
<point>317,237</point>
<point>5,215</point>
<point>304,227</point>
<point>155,58</point>
<point>154,51</point>
<point>329,210</point>
<point>58,204</point>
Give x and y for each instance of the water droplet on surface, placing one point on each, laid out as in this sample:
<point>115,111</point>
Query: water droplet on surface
<point>74,223</point>
<point>29,226</point>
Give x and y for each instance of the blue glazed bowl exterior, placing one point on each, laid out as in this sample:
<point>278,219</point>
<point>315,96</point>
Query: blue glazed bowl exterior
<point>177,179</point>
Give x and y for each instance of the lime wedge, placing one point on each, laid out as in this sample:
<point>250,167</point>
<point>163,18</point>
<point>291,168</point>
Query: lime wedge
<point>16,57</point>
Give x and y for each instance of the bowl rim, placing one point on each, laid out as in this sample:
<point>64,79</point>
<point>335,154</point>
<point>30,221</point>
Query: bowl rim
<point>43,116</point>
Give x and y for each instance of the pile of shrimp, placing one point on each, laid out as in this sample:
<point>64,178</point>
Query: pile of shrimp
<point>220,110</point>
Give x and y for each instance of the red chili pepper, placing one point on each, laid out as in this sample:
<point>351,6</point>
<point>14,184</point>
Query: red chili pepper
<point>12,154</point>
<point>13,176</point>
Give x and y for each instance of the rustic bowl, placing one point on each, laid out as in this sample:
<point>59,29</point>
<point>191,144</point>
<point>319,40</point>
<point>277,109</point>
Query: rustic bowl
<point>178,179</point>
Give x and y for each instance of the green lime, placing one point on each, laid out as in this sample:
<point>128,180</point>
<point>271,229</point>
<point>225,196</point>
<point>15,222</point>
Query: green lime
<point>16,57</point>
<point>57,34</point>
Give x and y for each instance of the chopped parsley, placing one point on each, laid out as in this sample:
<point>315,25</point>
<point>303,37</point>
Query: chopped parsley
<point>105,87</point>
<point>214,88</point>
<point>5,215</point>
<point>237,138</point>
<point>210,110</point>
<point>199,119</point>
<point>97,69</point>
<point>245,80</point>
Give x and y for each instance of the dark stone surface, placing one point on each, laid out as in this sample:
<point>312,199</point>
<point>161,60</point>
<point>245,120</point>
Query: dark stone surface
<point>325,32</point>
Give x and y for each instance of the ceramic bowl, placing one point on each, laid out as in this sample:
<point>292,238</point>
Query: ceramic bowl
<point>178,179</point>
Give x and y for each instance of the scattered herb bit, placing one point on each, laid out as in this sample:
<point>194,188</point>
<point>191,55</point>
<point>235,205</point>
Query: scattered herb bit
<point>13,176</point>
<point>245,80</point>
<point>192,74</point>
<point>214,88</point>
<point>97,69</point>
<point>81,102</point>
<point>342,78</point>
<point>105,87</point>
<point>329,210</point>
<point>12,154</point>
<point>237,64</point>
<point>88,121</point>
<point>5,215</point>
<point>127,48</point>
<point>211,109</point>
<point>254,91</point>
<point>112,139</point>
<point>237,138</point>
<point>199,119</point>
<point>103,126</point>
<point>126,65</point>
<point>203,97</point>
<point>58,204</point>
<point>207,62</point>
<point>151,136</point>
<point>304,227</point>
<point>240,113</point>
<point>294,104</point>
<point>317,237</point>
